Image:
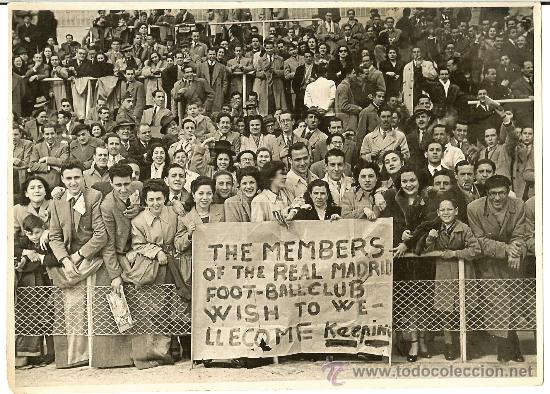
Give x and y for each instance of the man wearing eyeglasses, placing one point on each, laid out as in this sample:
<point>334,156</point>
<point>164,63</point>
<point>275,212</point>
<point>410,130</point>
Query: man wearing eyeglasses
<point>498,222</point>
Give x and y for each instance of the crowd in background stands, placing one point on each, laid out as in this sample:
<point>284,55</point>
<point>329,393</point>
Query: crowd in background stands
<point>341,120</point>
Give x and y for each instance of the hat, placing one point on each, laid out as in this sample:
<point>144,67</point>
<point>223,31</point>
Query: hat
<point>121,123</point>
<point>40,102</point>
<point>419,111</point>
<point>223,146</point>
<point>126,48</point>
<point>165,122</point>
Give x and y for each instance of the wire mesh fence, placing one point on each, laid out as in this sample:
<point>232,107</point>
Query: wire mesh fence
<point>428,305</point>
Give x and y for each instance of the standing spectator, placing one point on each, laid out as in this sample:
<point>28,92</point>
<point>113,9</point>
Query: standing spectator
<point>320,95</point>
<point>29,33</point>
<point>346,106</point>
<point>215,75</point>
<point>338,182</point>
<point>303,76</point>
<point>131,87</point>
<point>269,81</point>
<point>190,90</point>
<point>392,69</point>
<point>154,243</point>
<point>236,67</point>
<point>498,222</point>
<point>151,72</point>
<point>329,31</point>
<point>77,235</point>
<point>238,208</point>
<point>338,67</point>
<point>414,73</point>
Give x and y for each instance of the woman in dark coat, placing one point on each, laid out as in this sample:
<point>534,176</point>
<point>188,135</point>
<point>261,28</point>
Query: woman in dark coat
<point>101,68</point>
<point>338,67</point>
<point>405,205</point>
<point>319,203</point>
<point>392,69</point>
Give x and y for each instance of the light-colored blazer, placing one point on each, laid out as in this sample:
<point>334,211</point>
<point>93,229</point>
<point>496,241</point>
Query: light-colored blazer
<point>374,143</point>
<point>90,230</point>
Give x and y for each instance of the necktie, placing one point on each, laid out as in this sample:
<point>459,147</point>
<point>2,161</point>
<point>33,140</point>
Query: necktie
<point>308,135</point>
<point>71,208</point>
<point>176,198</point>
<point>383,134</point>
<point>154,114</point>
<point>339,186</point>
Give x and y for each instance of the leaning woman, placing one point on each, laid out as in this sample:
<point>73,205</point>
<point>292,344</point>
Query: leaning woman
<point>405,206</point>
<point>153,233</point>
<point>319,204</point>
<point>238,207</point>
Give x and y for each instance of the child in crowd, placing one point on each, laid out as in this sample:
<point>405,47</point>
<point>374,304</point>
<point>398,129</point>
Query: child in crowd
<point>31,260</point>
<point>456,241</point>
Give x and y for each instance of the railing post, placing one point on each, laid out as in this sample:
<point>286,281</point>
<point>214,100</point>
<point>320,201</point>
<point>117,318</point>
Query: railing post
<point>263,31</point>
<point>244,93</point>
<point>462,308</point>
<point>90,284</point>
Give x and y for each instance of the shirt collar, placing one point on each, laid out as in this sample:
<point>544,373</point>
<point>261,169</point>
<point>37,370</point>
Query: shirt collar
<point>295,178</point>
<point>77,197</point>
<point>272,197</point>
<point>433,169</point>
<point>150,218</point>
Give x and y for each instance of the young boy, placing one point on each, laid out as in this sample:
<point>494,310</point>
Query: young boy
<point>204,127</point>
<point>30,271</point>
<point>456,241</point>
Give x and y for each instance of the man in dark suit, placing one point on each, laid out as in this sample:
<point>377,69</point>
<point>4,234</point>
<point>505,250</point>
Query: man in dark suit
<point>523,87</point>
<point>190,89</point>
<point>417,137</point>
<point>434,154</point>
<point>170,75</point>
<point>443,93</point>
<point>482,116</point>
<point>136,89</point>
<point>80,67</point>
<point>456,75</point>
<point>140,146</point>
<point>28,33</point>
<point>302,77</point>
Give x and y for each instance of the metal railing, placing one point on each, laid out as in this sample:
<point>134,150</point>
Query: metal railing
<point>426,305</point>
